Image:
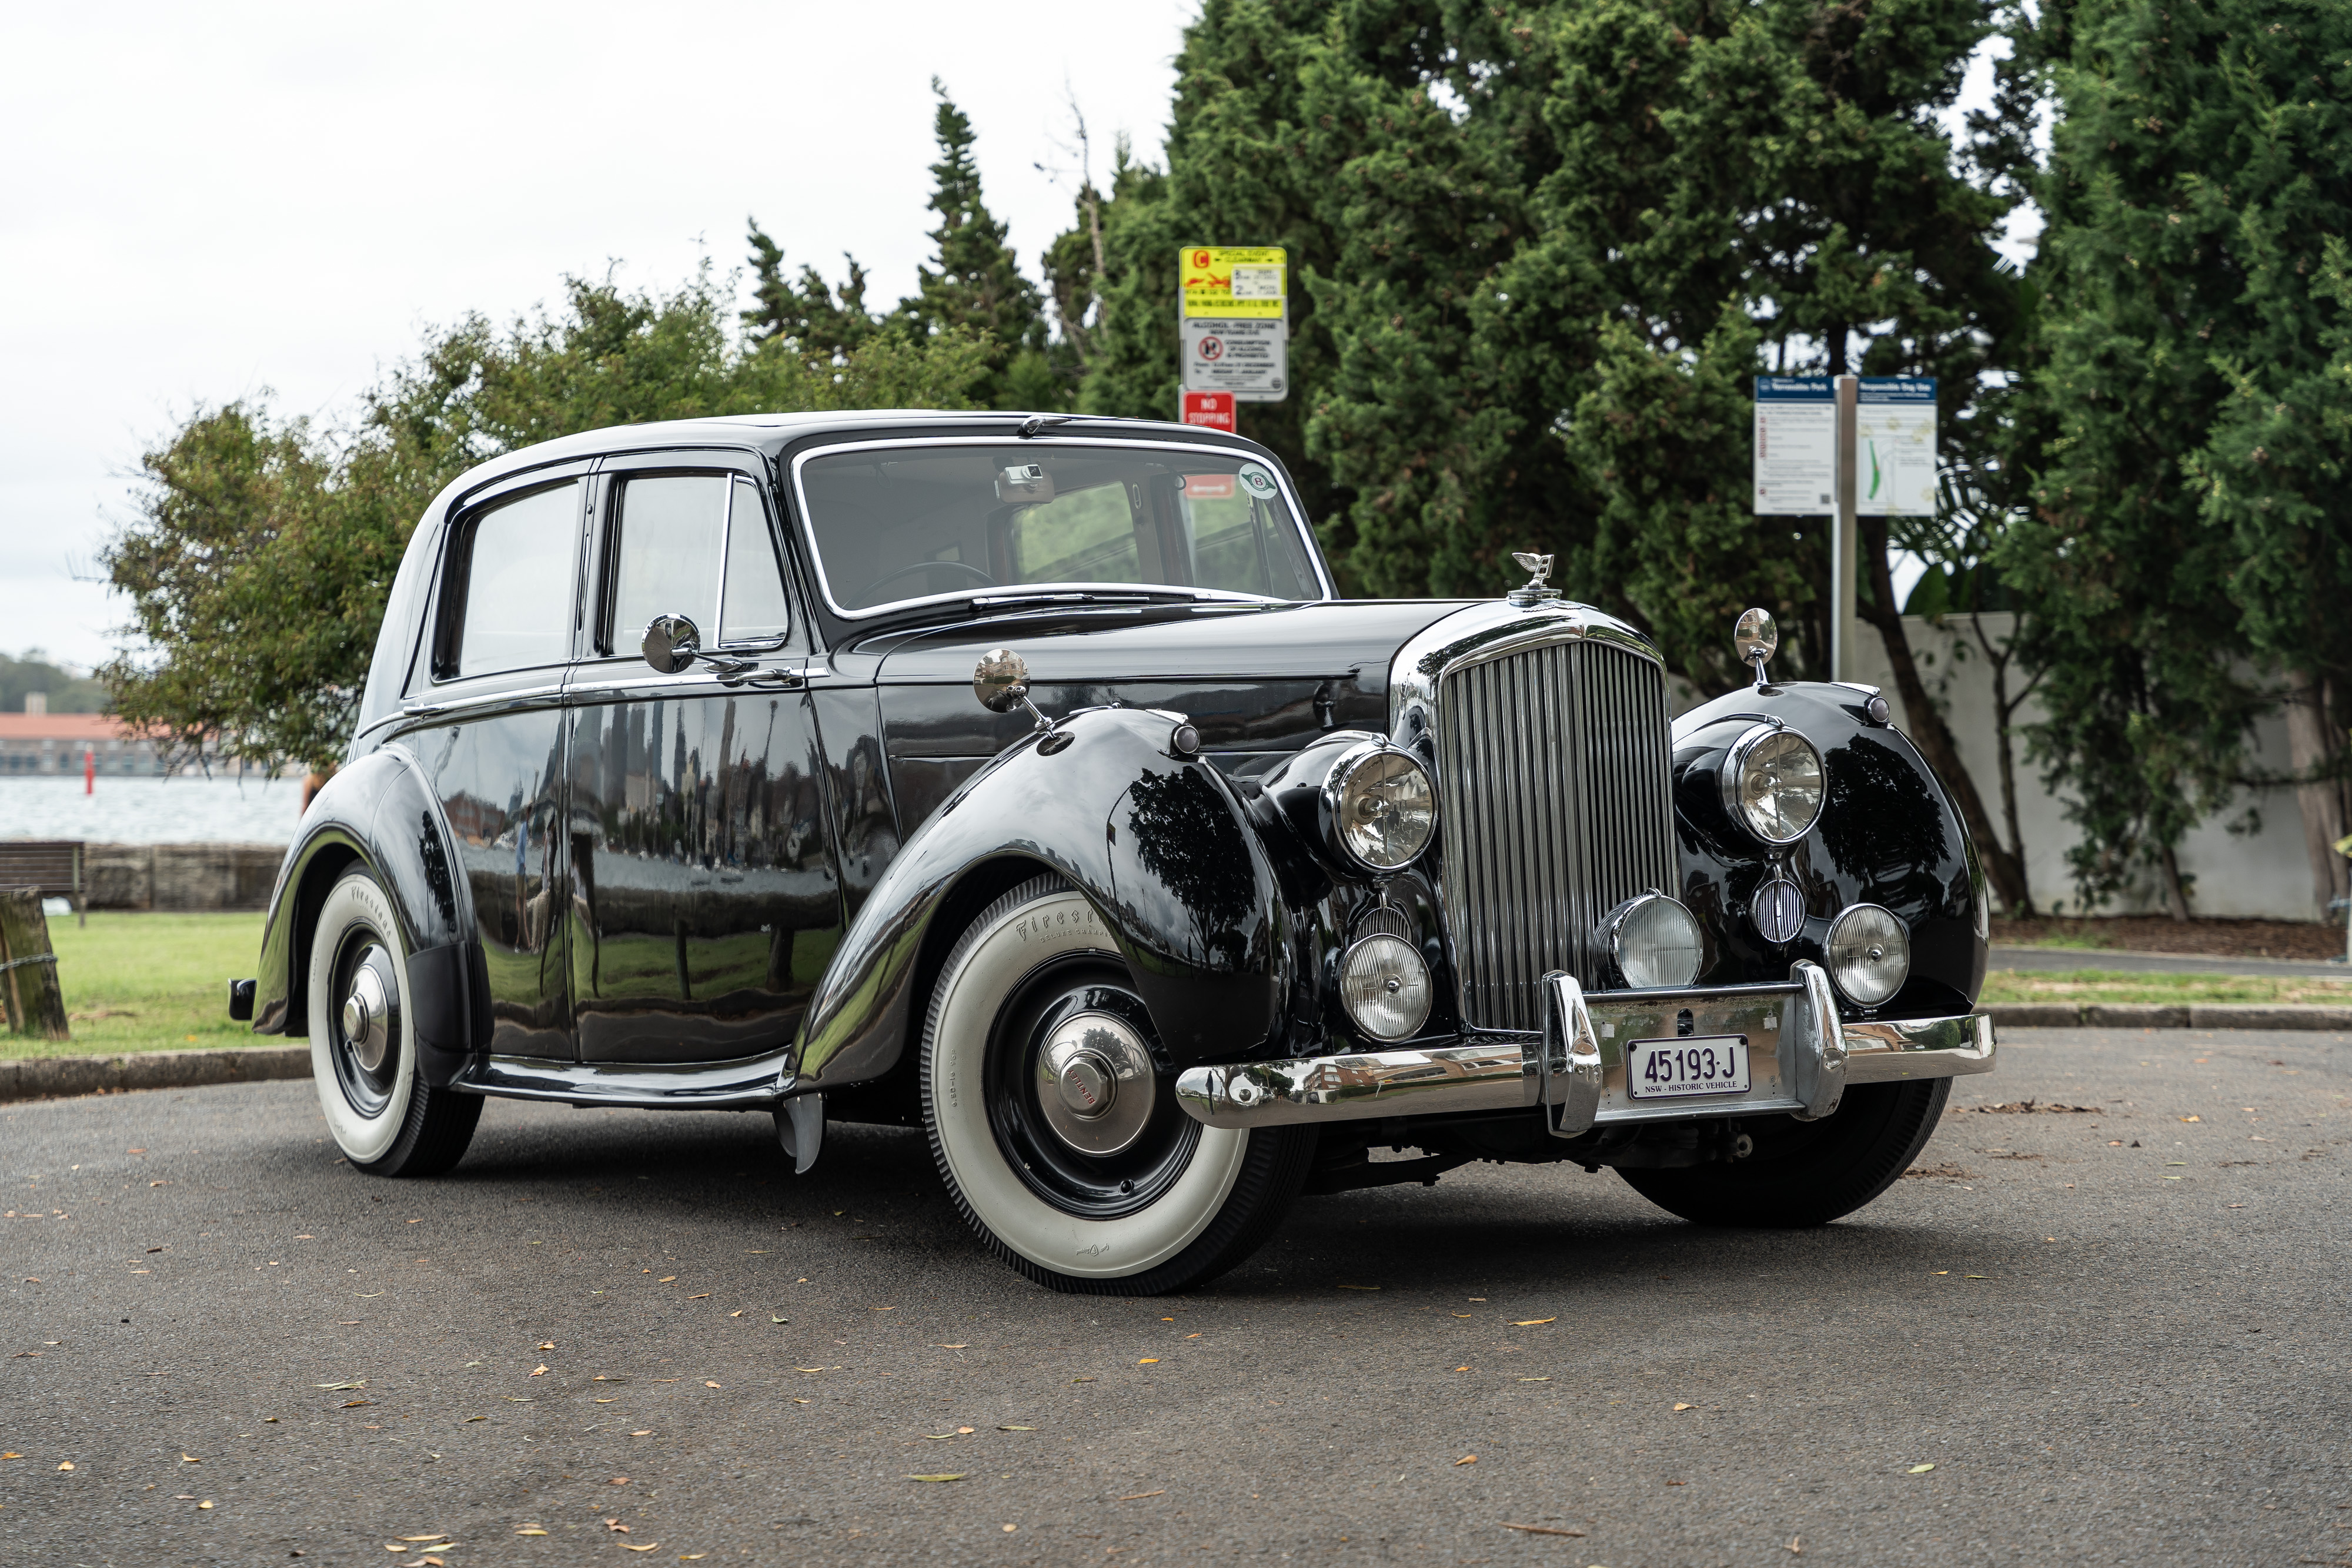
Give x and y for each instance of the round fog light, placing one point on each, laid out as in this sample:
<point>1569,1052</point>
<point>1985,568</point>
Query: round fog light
<point>1656,943</point>
<point>1384,986</point>
<point>1870,954</point>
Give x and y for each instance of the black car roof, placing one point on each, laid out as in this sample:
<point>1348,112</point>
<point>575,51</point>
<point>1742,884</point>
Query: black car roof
<point>770,434</point>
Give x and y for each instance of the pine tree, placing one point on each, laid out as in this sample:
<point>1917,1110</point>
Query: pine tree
<point>974,284</point>
<point>807,313</point>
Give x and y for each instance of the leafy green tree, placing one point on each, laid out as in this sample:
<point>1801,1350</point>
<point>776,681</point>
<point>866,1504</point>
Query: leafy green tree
<point>2182,518</point>
<point>974,286</point>
<point>66,692</point>
<point>264,548</point>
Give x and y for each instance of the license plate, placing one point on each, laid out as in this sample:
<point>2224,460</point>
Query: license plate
<point>1694,1065</point>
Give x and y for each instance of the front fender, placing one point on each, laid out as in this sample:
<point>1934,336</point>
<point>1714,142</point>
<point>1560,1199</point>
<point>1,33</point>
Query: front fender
<point>1157,840</point>
<point>1889,834</point>
<point>381,811</point>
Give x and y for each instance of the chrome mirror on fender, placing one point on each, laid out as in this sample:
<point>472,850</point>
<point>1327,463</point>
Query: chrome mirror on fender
<point>1001,684</point>
<point>672,643</point>
<point>1757,638</point>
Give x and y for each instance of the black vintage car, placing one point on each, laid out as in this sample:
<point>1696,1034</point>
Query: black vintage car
<point>1024,778</point>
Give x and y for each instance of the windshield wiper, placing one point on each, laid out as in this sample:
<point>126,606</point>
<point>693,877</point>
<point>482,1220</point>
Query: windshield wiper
<point>1083,596</point>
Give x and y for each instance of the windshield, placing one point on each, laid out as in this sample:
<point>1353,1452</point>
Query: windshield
<point>894,524</point>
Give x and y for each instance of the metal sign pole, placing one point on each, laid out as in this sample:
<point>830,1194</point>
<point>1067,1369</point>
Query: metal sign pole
<point>1843,553</point>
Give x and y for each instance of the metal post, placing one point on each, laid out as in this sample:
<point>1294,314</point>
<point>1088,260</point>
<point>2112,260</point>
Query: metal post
<point>1845,556</point>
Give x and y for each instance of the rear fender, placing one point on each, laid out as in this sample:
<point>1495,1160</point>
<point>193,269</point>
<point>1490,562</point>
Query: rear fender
<point>380,812</point>
<point>1155,840</point>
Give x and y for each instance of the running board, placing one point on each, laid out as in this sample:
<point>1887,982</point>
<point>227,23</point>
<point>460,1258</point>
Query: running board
<point>759,1083</point>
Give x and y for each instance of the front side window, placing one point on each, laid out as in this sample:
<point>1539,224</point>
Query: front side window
<point>672,529</point>
<point>673,532</point>
<point>517,612</point>
<point>894,524</point>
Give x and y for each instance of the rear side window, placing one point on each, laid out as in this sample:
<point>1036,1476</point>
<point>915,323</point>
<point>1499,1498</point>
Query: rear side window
<point>754,609</point>
<point>518,591</point>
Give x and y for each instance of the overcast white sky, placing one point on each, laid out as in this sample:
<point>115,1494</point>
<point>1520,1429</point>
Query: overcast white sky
<point>199,202</point>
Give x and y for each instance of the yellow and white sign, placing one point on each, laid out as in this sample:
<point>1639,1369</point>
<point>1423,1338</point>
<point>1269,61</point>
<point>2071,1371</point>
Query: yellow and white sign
<point>1232,283</point>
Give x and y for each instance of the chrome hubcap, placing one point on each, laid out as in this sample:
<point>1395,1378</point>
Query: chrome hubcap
<point>1095,1084</point>
<point>368,1011</point>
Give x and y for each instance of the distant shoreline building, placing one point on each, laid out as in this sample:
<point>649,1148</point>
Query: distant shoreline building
<point>37,742</point>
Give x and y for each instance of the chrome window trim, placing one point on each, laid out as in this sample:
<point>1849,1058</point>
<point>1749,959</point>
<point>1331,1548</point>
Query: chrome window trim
<point>1213,595</point>
<point>1735,761</point>
<point>727,564</point>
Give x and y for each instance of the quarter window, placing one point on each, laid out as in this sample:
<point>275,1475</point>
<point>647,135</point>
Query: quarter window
<point>754,611</point>
<point>518,584</point>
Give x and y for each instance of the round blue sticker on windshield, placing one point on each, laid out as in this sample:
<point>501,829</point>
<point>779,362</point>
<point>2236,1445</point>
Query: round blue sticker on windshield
<point>1256,481</point>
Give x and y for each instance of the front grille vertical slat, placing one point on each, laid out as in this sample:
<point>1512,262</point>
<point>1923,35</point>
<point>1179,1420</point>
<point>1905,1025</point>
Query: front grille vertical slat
<point>1553,795</point>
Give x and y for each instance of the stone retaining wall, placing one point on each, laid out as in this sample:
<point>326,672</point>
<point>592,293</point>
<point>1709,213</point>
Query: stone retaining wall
<point>181,876</point>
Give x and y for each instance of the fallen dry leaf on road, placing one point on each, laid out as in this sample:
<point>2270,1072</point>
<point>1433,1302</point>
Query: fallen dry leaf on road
<point>67,1466</point>
<point>1000,1429</point>
<point>733,1314</point>
<point>664,1279</point>
<point>1149,1361</point>
<point>531,1530</point>
<point>1532,1322</point>
<point>1797,1544</point>
<point>1133,1497</point>
<point>1195,1335</point>
<point>539,1371</point>
<point>618,1481</point>
<point>1685,1407</point>
<point>1540,1529</point>
<point>1467,1459</point>
<point>707,1384</point>
<point>614,1524</point>
<point>342,1387</point>
<point>957,1476</point>
<point>647,1432</point>
<point>964,1346</point>
<point>190,1459</point>
<point>1919,1470</point>
<point>648,1546</point>
<point>357,1404</point>
<point>547,1344</point>
<point>472,1418</point>
<point>704,1297</point>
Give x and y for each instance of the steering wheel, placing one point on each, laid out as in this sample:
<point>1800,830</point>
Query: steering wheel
<point>866,594</point>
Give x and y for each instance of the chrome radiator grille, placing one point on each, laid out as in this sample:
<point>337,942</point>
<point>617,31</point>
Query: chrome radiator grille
<point>1553,801</point>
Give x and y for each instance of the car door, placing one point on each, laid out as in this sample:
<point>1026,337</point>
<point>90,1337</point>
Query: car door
<point>489,730</point>
<point>708,895</point>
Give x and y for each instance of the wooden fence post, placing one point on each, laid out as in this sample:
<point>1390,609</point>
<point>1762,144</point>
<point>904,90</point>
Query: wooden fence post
<point>37,1002</point>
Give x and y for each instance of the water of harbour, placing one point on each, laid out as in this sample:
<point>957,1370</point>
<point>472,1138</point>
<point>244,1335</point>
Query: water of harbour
<point>173,811</point>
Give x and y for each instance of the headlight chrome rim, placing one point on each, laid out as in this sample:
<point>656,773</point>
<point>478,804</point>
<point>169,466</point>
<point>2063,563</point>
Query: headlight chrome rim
<point>1849,948</point>
<point>1735,772</point>
<point>1384,987</point>
<point>1336,834</point>
<point>1635,915</point>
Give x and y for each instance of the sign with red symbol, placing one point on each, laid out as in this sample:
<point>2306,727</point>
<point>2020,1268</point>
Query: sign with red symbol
<point>1210,411</point>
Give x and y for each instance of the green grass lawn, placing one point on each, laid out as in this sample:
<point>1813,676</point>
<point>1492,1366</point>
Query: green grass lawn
<point>2115,986</point>
<point>148,982</point>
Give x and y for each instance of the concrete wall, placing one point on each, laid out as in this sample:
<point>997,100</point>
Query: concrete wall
<point>2262,873</point>
<point>181,876</point>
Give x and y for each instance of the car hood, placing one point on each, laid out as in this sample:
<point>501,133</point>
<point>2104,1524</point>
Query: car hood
<point>1219,642</point>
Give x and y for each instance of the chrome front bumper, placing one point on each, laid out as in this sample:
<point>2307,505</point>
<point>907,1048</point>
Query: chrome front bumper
<point>1801,1057</point>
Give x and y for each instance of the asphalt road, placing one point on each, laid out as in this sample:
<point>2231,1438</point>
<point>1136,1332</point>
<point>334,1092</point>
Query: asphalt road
<point>2116,1336</point>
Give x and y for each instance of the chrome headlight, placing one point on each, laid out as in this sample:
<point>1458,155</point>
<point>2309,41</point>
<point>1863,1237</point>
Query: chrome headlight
<point>1870,954</point>
<point>1380,808</point>
<point>1772,783</point>
<point>1384,986</point>
<point>1655,942</point>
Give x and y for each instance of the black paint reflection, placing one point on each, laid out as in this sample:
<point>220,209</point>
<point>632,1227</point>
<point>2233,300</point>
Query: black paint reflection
<point>709,899</point>
<point>498,780</point>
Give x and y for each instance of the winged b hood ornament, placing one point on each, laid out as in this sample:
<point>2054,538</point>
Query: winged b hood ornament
<point>1535,592</point>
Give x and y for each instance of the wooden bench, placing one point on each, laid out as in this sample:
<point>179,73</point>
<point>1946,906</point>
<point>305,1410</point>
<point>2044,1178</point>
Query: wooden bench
<point>50,867</point>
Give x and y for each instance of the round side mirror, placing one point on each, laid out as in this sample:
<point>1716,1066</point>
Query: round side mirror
<point>1755,637</point>
<point>1001,681</point>
<point>672,643</point>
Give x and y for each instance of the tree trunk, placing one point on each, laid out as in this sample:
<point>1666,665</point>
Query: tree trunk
<point>2007,760</point>
<point>2176,897</point>
<point>1928,730</point>
<point>2311,743</point>
<point>36,1001</point>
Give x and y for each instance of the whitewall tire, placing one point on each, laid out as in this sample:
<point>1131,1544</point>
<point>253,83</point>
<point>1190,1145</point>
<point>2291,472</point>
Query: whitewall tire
<point>383,1117</point>
<point>1051,1118</point>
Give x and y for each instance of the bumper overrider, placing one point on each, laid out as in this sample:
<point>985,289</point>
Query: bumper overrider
<point>1801,1055</point>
